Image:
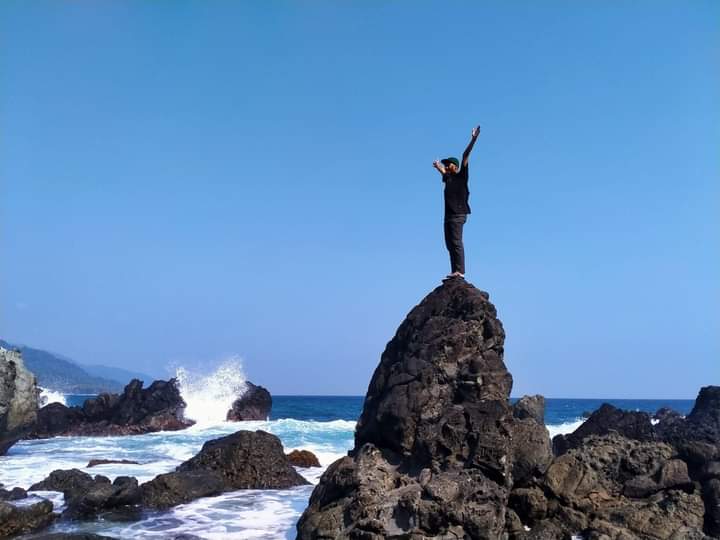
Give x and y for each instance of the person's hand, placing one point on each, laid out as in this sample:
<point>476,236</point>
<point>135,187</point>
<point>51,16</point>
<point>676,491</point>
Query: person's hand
<point>437,164</point>
<point>475,132</point>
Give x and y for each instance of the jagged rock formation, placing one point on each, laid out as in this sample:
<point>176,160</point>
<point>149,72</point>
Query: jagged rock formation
<point>254,404</point>
<point>436,441</point>
<point>690,462</point>
<point>18,399</point>
<point>440,453</point>
<point>158,407</point>
<point>16,520</point>
<point>243,460</point>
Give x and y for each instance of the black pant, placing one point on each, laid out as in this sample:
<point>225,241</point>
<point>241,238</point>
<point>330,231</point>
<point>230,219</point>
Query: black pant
<point>453,241</point>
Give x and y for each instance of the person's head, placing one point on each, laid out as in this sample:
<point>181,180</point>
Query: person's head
<point>451,164</point>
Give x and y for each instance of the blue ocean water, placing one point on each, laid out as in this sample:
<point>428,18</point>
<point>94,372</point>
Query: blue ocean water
<point>557,410</point>
<point>323,424</point>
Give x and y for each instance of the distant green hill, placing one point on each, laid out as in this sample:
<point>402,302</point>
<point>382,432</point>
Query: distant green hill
<point>58,373</point>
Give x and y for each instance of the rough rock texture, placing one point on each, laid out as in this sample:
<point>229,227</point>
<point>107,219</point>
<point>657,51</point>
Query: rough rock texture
<point>254,404</point>
<point>243,460</point>
<point>695,444</point>
<point>96,462</point>
<point>14,494</point>
<point>632,424</point>
<point>440,453</point>
<point>158,407</point>
<point>433,455</point>
<point>87,497</point>
<point>18,399</point>
<point>24,519</point>
<point>303,458</point>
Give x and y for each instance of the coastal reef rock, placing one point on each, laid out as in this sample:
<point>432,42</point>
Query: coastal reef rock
<point>691,450</point>
<point>159,407</point>
<point>26,518</point>
<point>243,460</point>
<point>18,399</point>
<point>254,404</point>
<point>87,497</point>
<point>441,454</point>
<point>435,445</point>
<point>303,458</point>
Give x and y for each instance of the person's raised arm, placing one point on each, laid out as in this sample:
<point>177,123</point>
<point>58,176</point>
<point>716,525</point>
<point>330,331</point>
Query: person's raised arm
<point>473,138</point>
<point>439,166</point>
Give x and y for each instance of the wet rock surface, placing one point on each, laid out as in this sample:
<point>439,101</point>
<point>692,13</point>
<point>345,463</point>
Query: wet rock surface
<point>254,404</point>
<point>18,399</point>
<point>159,407</point>
<point>16,520</point>
<point>303,458</point>
<point>440,453</point>
<point>243,460</point>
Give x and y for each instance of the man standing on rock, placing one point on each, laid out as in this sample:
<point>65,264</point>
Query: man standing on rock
<point>455,177</point>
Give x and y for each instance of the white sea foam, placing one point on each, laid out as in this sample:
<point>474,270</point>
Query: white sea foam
<point>565,427</point>
<point>210,396</point>
<point>48,396</point>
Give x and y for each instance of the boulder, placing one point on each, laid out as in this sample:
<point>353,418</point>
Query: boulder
<point>19,396</point>
<point>243,460</point>
<point>137,410</point>
<point>254,404</point>
<point>433,453</point>
<point>26,518</point>
<point>14,494</point>
<point>531,446</point>
<point>87,497</point>
<point>303,458</point>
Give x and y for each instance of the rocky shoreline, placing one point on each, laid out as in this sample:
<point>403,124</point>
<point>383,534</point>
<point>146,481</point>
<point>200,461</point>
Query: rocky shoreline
<point>440,453</point>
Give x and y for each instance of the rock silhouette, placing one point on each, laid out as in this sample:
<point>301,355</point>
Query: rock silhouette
<point>434,446</point>
<point>159,407</point>
<point>440,453</point>
<point>254,404</point>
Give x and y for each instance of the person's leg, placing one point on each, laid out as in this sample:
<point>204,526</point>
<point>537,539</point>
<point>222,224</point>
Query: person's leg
<point>457,250</point>
<point>449,242</point>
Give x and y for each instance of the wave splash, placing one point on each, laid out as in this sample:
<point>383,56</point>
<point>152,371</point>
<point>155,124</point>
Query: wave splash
<point>48,396</point>
<point>210,396</point>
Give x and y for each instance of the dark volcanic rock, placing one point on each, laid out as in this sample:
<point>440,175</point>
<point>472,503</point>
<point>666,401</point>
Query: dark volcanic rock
<point>440,453</point>
<point>630,424</point>
<point>166,490</point>
<point>15,494</point>
<point>243,460</point>
<point>24,519</point>
<point>531,447</point>
<point>137,410</point>
<point>96,462</point>
<point>254,404</point>
<point>18,399</point>
<point>303,458</point>
<point>616,486</point>
<point>87,497</point>
<point>433,455</point>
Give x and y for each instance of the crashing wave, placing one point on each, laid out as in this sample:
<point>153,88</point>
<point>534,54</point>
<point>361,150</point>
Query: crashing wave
<point>210,396</point>
<point>48,396</point>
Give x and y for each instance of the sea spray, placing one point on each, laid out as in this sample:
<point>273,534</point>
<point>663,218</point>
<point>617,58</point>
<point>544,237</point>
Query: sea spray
<point>209,397</point>
<point>48,396</point>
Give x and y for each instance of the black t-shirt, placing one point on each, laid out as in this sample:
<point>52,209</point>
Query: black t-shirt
<point>456,192</point>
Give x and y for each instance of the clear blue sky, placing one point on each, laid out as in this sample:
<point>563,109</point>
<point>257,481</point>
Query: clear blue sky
<point>183,181</point>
